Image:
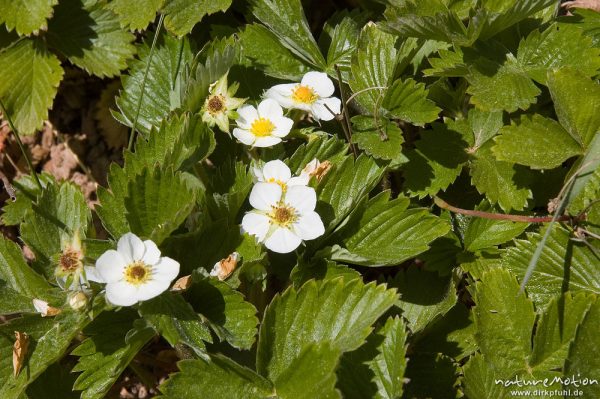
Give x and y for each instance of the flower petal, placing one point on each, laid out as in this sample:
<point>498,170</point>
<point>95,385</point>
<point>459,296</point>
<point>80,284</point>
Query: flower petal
<point>320,82</point>
<point>269,109</point>
<point>321,112</point>
<point>131,247</point>
<point>256,224</point>
<point>244,136</point>
<point>247,114</point>
<point>309,226</point>
<point>166,269</point>
<point>265,195</point>
<point>121,293</point>
<point>283,126</point>
<point>151,289</point>
<point>301,180</point>
<point>268,141</point>
<point>91,274</point>
<point>282,241</point>
<point>282,94</point>
<point>152,253</point>
<point>276,170</point>
<point>301,198</point>
<point>110,266</point>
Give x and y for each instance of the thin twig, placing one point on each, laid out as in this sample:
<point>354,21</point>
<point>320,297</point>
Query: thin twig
<point>21,146</point>
<point>345,113</point>
<point>143,88</point>
<point>8,187</point>
<point>364,90</point>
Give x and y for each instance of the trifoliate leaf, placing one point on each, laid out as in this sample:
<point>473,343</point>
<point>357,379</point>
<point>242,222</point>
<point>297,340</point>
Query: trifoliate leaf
<point>286,19</point>
<point>367,134</point>
<point>375,370</point>
<point>344,186</point>
<point>228,314</point>
<point>437,160</point>
<point>29,83</point>
<point>264,51</point>
<point>576,101</point>
<point>333,311</point>
<point>90,36</point>
<point>219,377</point>
<point>424,296</point>
<point>161,85</point>
<point>136,15</point>
<point>385,233</point>
<point>558,46</point>
<point>499,303</point>
<point>182,15</point>
<point>176,321</point>
<point>556,330</point>
<point>407,100</point>
<point>562,266</point>
<point>372,66</point>
<point>26,16</point>
<point>582,355</point>
<point>501,182</point>
<point>110,346</point>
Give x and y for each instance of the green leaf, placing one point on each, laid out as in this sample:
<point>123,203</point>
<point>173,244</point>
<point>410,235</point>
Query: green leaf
<point>228,314</point>
<point>27,191</point>
<point>479,380</point>
<point>343,187</point>
<point>484,233</point>
<point>90,36</point>
<point>437,160</point>
<point>334,311</point>
<point>498,86</point>
<point>218,377</point>
<point>329,149</point>
<point>286,19</point>
<point>136,15</point>
<point>499,302</point>
<point>176,321</point>
<point>502,14</point>
<point>538,142</point>
<point>375,370</point>
<point>59,215</point>
<point>17,274</point>
<point>407,100</point>
<point>264,51</point>
<point>424,296</point>
<point>366,133</point>
<point>339,37</point>
<point>49,340</point>
<point>11,302</point>
<point>164,76</point>
<point>372,66</point>
<point>231,185</point>
<point>576,101</point>
<point>26,16</point>
<point>562,266</point>
<point>56,382</point>
<point>152,204</point>
<point>385,233</point>
<point>430,376</point>
<point>29,83</point>
<point>111,344</point>
<point>484,124</point>
<point>582,356</point>
<point>556,330</point>
<point>501,182</point>
<point>182,15</point>
<point>558,46</point>
<point>321,269</point>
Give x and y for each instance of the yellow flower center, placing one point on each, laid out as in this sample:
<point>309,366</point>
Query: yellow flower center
<point>137,273</point>
<point>262,127</point>
<point>281,184</point>
<point>283,215</point>
<point>304,94</point>
<point>215,104</point>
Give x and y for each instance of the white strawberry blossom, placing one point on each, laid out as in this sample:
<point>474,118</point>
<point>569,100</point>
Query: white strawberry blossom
<point>134,272</point>
<point>262,127</point>
<point>278,172</point>
<point>283,219</point>
<point>313,94</point>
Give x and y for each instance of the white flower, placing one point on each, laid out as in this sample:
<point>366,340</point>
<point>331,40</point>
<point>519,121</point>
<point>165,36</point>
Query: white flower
<point>220,105</point>
<point>312,94</point>
<point>264,127</point>
<point>278,172</point>
<point>282,220</point>
<point>134,272</point>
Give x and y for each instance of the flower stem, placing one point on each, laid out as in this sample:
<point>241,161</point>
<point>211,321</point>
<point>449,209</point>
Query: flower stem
<point>346,115</point>
<point>21,146</point>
